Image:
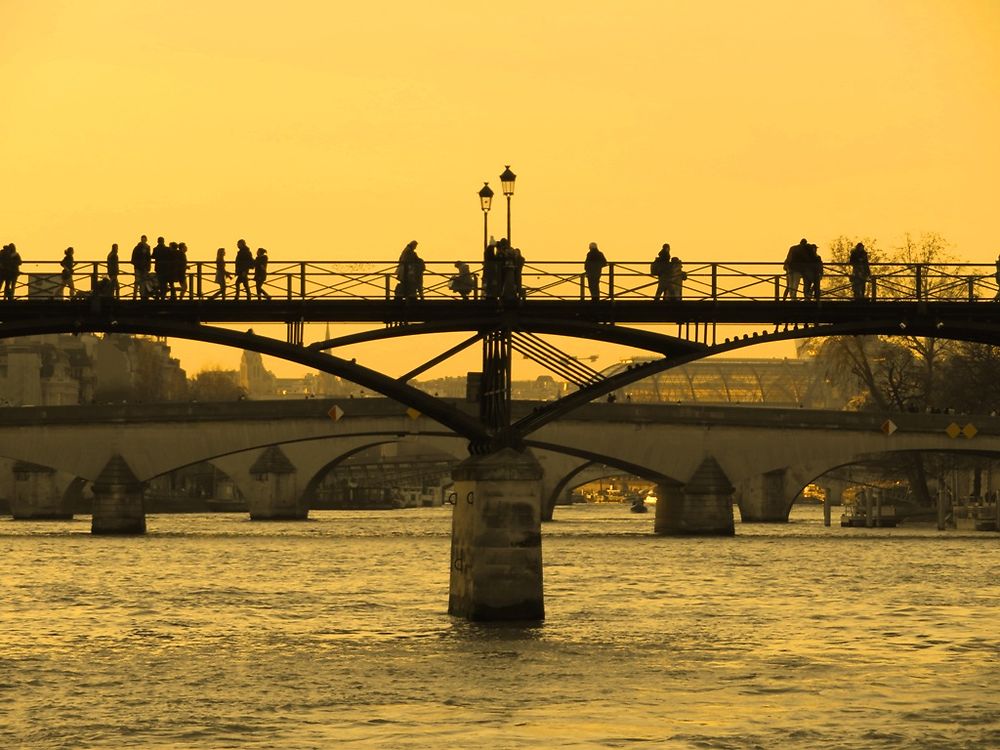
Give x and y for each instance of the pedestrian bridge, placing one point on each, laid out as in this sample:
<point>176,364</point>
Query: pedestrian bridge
<point>769,455</point>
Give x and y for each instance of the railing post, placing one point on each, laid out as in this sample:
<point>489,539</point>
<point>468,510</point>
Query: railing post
<point>918,282</point>
<point>777,288</point>
<point>715,282</point>
<point>302,281</point>
<point>288,285</point>
<point>388,286</point>
<point>197,280</point>
<point>582,297</point>
<point>874,288</point>
<point>972,288</point>
<point>95,274</point>
<point>611,281</point>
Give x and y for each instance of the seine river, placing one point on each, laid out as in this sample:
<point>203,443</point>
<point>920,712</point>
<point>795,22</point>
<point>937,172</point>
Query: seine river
<point>215,632</point>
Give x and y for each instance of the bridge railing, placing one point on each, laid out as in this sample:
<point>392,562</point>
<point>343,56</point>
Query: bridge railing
<point>536,280</point>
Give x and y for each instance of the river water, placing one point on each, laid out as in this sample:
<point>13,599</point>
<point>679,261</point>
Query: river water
<point>215,632</point>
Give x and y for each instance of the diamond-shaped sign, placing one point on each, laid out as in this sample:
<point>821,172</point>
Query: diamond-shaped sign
<point>335,413</point>
<point>412,413</point>
<point>889,427</point>
<point>970,431</point>
<point>953,430</point>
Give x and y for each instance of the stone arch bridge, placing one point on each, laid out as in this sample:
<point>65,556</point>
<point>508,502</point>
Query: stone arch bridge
<point>767,454</point>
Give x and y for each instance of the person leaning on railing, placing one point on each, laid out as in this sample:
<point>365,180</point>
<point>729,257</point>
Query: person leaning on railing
<point>860,271</point>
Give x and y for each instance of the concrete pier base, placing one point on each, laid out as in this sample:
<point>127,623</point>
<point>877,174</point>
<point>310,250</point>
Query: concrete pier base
<point>764,499</point>
<point>496,540</point>
<point>272,493</point>
<point>118,506</point>
<point>704,507</point>
<point>36,494</point>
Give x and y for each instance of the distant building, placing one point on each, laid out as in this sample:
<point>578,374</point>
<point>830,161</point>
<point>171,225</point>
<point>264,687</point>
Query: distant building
<point>65,369</point>
<point>798,382</point>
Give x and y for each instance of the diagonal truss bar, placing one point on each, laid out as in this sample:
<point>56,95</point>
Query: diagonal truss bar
<point>440,358</point>
<point>554,359</point>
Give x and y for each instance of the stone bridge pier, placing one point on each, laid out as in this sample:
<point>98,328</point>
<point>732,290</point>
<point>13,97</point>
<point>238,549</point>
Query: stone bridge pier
<point>496,541</point>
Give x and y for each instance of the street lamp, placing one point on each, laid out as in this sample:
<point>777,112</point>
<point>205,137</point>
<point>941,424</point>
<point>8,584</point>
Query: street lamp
<point>485,199</point>
<point>507,181</point>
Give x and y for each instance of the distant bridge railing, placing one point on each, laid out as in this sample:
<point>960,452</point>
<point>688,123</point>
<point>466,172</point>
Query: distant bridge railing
<point>541,280</point>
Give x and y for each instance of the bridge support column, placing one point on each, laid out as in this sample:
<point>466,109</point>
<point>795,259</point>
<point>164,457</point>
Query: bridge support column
<point>496,538</point>
<point>37,495</point>
<point>273,492</point>
<point>703,507</point>
<point>764,499</point>
<point>118,506</point>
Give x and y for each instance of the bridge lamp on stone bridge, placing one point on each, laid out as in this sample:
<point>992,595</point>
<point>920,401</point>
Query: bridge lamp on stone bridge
<point>507,182</point>
<point>485,201</point>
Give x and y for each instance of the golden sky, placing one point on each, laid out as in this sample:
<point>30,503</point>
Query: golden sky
<point>326,130</point>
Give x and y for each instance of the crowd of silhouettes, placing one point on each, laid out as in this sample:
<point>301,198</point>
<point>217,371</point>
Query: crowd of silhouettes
<point>161,273</point>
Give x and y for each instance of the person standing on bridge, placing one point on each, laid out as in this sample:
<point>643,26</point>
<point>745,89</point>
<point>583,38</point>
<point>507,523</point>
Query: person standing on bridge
<point>242,265</point>
<point>660,268</point>
<point>812,273</point>
<point>996,276</point>
<point>860,271</point>
<point>10,269</point>
<point>795,262</point>
<point>491,271</point>
<point>675,279</point>
<point>66,275</point>
<point>410,273</point>
<point>161,264</point>
<point>113,270</point>
<point>141,261</point>
<point>593,264</point>
<point>260,273</point>
<point>220,273</point>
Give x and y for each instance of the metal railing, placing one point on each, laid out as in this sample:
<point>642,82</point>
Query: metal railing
<point>543,280</point>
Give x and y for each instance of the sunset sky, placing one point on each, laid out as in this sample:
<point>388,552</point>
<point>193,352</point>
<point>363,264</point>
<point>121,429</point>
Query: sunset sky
<point>323,130</point>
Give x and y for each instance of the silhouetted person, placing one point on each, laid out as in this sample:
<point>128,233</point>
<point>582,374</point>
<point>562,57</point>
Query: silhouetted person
<point>464,283</point>
<point>795,262</point>
<point>812,273</point>
<point>593,264</point>
<point>860,271</point>
<point>66,275</point>
<point>113,270</point>
<point>161,262</point>
<point>220,273</point>
<point>997,277</point>
<point>409,273</point>
<point>242,264</point>
<point>10,269</point>
<point>675,279</point>
<point>491,271</point>
<point>507,260</point>
<point>169,272</point>
<point>181,268</point>
<point>141,263</point>
<point>260,273</point>
<point>660,268</point>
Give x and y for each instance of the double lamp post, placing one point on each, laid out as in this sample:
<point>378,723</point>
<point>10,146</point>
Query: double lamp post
<point>486,200</point>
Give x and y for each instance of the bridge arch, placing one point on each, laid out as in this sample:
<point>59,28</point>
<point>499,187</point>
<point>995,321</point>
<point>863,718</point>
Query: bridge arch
<point>182,321</point>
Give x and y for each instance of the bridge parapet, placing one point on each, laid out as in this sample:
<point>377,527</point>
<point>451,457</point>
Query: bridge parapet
<point>715,281</point>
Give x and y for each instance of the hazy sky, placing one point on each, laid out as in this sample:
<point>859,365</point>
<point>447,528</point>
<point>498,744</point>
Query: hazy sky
<point>327,130</point>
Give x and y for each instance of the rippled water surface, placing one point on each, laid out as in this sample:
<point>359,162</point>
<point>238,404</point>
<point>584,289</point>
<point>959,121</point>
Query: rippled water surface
<point>215,632</point>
